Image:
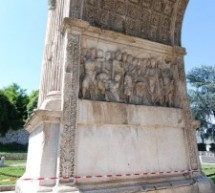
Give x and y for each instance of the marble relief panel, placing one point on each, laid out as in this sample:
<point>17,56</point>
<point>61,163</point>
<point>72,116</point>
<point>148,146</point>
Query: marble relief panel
<point>118,76</point>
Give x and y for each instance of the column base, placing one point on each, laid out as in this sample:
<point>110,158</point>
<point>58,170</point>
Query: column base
<point>65,188</point>
<point>200,184</point>
<point>31,187</point>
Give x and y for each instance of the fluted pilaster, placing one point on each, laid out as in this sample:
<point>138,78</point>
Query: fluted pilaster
<point>50,89</point>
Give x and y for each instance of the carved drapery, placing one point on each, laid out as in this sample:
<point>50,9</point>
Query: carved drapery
<point>70,98</point>
<point>117,76</point>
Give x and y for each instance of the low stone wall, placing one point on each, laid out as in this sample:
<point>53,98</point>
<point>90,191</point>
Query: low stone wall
<point>207,153</point>
<point>207,157</point>
<point>14,156</point>
<point>19,136</point>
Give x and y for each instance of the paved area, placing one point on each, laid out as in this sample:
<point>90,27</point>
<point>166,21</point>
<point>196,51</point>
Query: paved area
<point>8,192</point>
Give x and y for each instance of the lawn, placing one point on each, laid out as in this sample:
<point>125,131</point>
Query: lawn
<point>209,169</point>
<point>10,173</point>
<point>13,170</point>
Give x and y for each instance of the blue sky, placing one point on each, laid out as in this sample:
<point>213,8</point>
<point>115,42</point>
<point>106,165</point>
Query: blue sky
<point>22,34</point>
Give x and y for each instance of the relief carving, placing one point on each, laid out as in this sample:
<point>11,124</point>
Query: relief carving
<point>168,8</point>
<point>142,18</point>
<point>52,4</point>
<point>117,76</point>
<point>71,86</point>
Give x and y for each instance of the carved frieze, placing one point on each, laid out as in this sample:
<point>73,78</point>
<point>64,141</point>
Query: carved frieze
<point>52,4</point>
<point>148,19</point>
<point>70,97</point>
<point>118,76</point>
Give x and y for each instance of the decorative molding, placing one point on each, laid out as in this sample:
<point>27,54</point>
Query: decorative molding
<point>40,116</point>
<point>52,4</point>
<point>70,97</point>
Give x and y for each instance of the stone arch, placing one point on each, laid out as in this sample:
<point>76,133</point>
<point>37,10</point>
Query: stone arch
<point>156,20</point>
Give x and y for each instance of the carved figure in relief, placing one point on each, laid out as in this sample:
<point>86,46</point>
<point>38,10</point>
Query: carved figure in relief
<point>171,93</point>
<point>84,52</point>
<point>128,88</point>
<point>103,81</point>
<point>141,93</point>
<point>167,84</point>
<point>117,64</point>
<point>100,61</point>
<point>160,100</point>
<point>118,70</point>
<point>152,76</point>
<point>137,69</point>
<point>124,57</point>
<point>88,84</point>
<point>114,89</point>
<point>108,63</point>
<point>121,77</point>
<point>104,70</point>
<point>129,64</point>
<point>135,63</point>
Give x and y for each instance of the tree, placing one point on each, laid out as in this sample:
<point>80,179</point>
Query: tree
<point>202,97</point>
<point>33,100</point>
<point>18,97</point>
<point>8,115</point>
<point>15,107</point>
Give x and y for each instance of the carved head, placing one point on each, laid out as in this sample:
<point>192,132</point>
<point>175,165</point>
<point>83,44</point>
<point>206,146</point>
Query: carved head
<point>145,62</point>
<point>103,76</point>
<point>135,61</point>
<point>108,55</point>
<point>84,52</point>
<point>117,78</point>
<point>130,59</point>
<point>168,60</point>
<point>118,55</point>
<point>100,53</point>
<point>124,56</point>
<point>153,62</point>
<point>93,53</point>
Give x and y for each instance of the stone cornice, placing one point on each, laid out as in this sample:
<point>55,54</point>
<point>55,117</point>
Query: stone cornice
<point>78,25</point>
<point>40,116</point>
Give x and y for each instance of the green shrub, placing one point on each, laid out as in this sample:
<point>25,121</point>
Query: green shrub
<point>201,147</point>
<point>13,147</point>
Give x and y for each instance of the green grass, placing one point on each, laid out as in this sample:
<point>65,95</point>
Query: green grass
<point>10,172</point>
<point>13,170</point>
<point>209,169</point>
